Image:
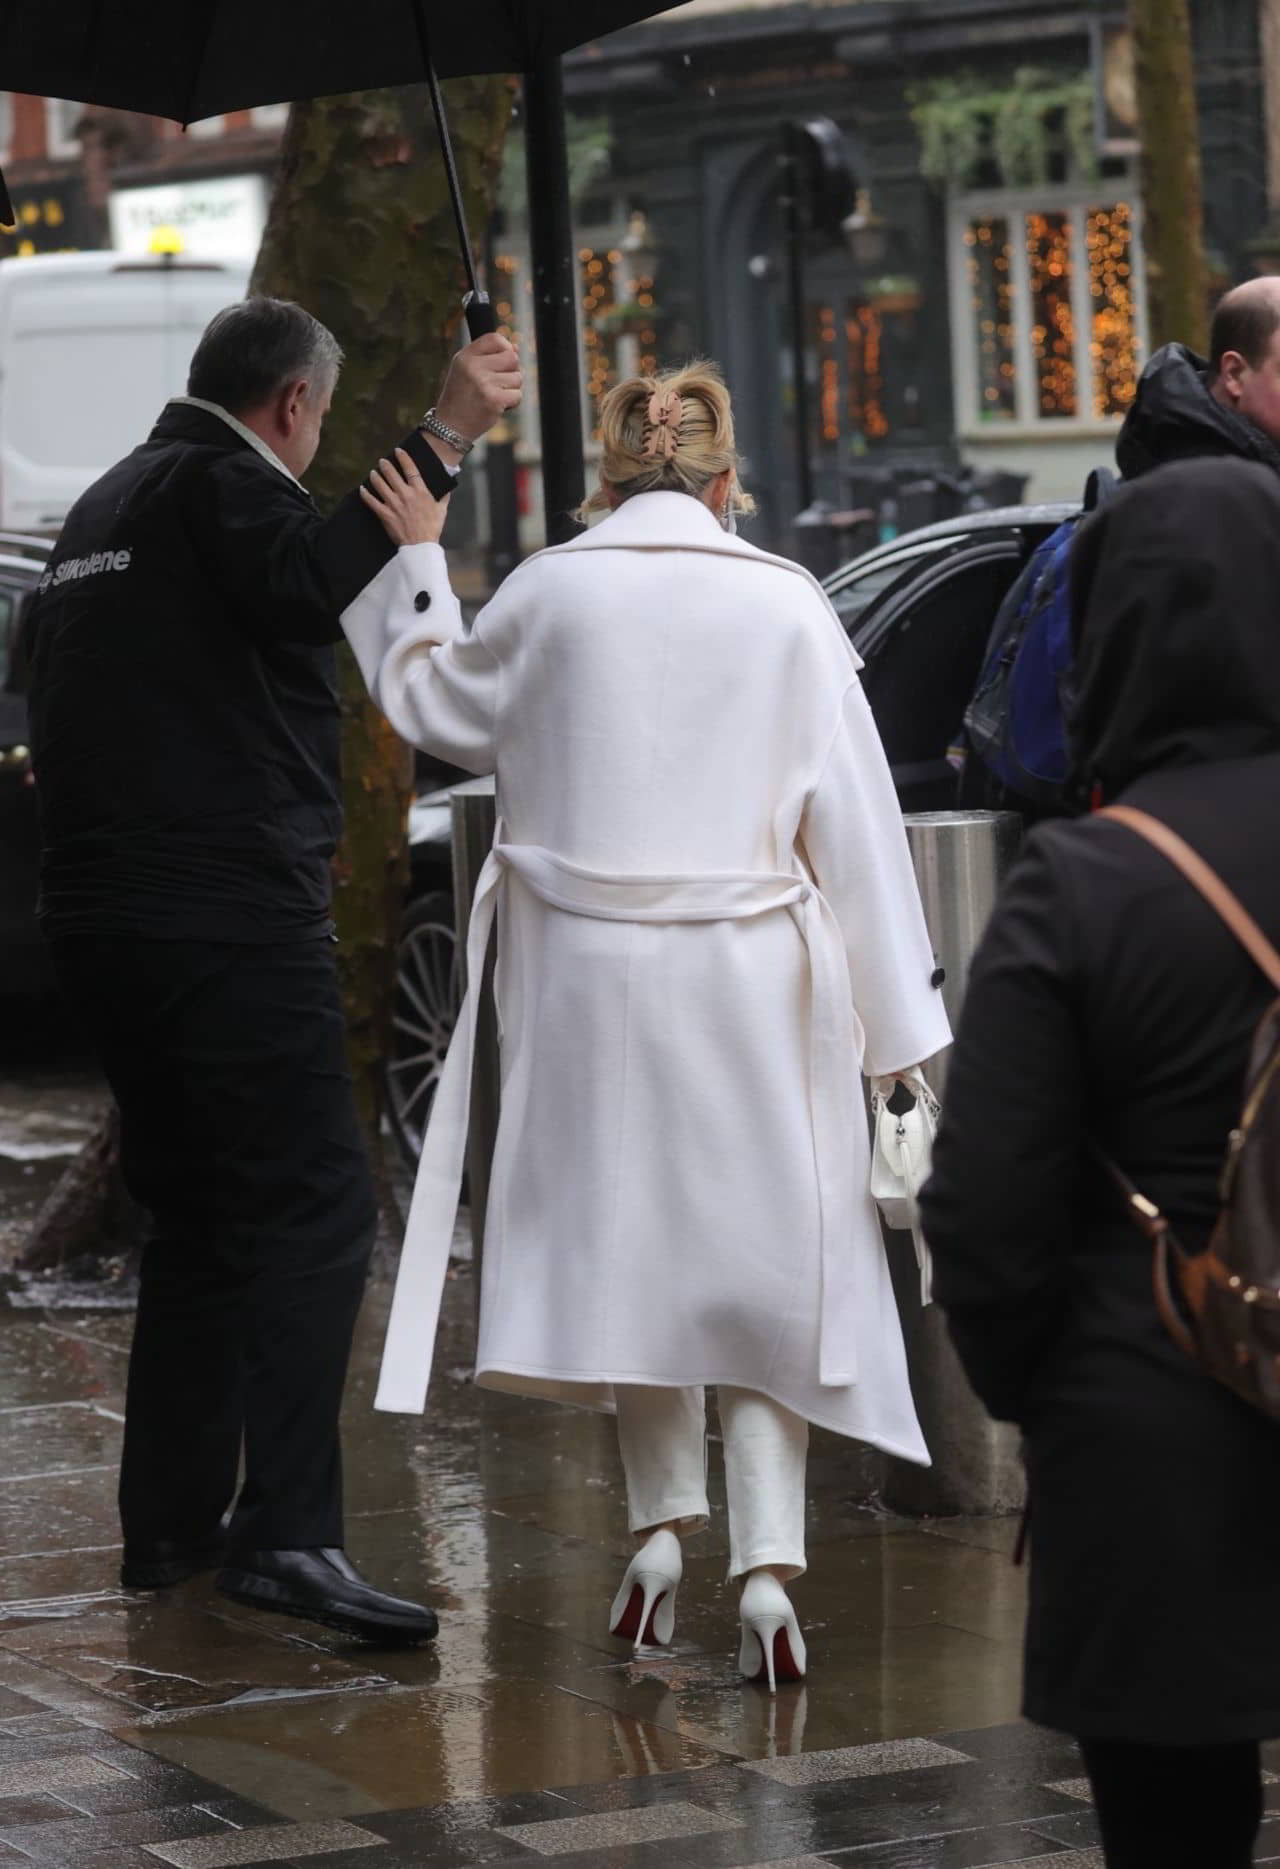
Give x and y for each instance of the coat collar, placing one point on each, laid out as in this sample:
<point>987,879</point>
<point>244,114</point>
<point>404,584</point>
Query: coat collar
<point>661,520</point>
<point>677,522</point>
<point>237,427</point>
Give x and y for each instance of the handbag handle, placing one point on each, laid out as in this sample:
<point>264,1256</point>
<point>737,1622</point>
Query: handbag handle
<point>1207,881</point>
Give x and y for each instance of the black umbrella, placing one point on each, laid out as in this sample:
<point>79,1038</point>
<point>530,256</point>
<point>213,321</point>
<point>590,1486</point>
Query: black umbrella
<point>188,59</point>
<point>200,60</point>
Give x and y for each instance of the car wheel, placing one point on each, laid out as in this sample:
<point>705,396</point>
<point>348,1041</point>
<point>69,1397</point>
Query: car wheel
<point>428,994</point>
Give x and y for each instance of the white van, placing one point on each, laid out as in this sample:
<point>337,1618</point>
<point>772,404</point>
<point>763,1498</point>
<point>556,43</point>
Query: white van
<point>91,347</point>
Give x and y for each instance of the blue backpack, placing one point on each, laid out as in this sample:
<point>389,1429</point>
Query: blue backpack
<point>1016,720</point>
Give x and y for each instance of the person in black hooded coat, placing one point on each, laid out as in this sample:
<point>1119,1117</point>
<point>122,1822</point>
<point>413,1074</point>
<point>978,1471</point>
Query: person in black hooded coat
<point>1188,407</point>
<point>1109,1003</point>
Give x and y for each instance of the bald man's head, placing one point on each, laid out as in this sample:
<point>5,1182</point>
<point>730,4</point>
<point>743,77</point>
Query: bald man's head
<point>1244,354</point>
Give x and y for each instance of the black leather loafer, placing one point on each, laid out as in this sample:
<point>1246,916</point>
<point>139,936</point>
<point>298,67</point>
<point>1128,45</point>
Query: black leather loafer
<point>164,1562</point>
<point>324,1586</point>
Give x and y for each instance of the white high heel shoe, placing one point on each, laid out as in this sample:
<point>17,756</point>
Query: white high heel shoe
<point>772,1646</point>
<point>644,1610</point>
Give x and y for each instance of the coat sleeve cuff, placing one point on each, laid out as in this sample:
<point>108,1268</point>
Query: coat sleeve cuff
<point>410,601</point>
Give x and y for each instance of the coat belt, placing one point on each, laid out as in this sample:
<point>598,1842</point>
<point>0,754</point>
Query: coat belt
<point>835,1046</point>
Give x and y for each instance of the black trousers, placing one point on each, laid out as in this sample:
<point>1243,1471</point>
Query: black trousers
<point>1176,1807</point>
<point>239,1133</point>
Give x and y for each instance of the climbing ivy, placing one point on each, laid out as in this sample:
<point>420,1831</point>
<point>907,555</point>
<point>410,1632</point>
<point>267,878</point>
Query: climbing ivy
<point>966,120</point>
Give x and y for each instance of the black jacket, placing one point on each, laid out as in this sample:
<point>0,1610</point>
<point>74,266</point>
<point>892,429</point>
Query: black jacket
<point>1109,1004</point>
<point>184,718</point>
<point>1175,418</point>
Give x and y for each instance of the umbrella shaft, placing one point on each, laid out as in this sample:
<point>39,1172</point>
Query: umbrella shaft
<point>446,149</point>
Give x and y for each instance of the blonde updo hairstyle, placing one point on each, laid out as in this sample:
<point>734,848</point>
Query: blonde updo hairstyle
<point>683,450</point>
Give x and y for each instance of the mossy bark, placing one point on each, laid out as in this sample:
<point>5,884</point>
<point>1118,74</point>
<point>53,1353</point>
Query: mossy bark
<point>360,231</point>
<point>1173,222</point>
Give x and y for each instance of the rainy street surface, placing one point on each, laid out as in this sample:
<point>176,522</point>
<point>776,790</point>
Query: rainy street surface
<point>178,1729</point>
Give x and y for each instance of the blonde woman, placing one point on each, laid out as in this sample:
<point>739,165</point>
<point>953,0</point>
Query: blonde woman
<point>708,925</point>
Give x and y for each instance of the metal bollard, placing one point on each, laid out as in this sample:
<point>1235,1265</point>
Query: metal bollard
<point>960,858</point>
<point>473,811</point>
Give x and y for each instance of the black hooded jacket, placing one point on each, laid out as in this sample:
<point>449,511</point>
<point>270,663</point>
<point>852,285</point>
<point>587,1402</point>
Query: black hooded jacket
<point>1109,1004</point>
<point>1175,418</point>
<point>184,716</point>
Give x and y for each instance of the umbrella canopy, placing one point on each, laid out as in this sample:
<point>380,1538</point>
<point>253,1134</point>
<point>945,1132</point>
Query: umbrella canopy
<point>202,59</point>
<point>188,59</point>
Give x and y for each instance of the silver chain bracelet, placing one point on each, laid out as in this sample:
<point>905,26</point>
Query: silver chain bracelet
<point>441,430</point>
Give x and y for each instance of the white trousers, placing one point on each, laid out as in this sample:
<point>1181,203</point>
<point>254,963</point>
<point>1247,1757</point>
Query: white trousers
<point>662,1434</point>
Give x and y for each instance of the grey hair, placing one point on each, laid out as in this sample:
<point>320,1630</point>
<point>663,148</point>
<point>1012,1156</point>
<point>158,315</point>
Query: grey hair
<point>253,349</point>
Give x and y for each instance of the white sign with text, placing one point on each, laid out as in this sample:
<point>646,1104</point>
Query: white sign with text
<point>218,218</point>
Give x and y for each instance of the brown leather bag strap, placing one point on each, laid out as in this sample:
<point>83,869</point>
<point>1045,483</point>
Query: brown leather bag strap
<point>1207,881</point>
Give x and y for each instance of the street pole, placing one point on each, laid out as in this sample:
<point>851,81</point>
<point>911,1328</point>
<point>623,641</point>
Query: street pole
<point>555,301</point>
<point>500,465</point>
<point>795,236</point>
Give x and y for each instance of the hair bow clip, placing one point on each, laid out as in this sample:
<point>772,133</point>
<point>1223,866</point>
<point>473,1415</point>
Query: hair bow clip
<point>666,412</point>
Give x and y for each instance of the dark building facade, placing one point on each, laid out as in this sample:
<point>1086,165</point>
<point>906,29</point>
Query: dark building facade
<point>993,314</point>
<point>1001,321</point>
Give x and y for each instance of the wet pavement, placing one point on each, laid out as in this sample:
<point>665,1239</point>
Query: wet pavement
<point>178,1729</point>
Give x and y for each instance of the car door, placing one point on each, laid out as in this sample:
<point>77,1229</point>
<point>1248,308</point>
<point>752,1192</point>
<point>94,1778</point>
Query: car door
<point>23,958</point>
<point>861,589</point>
<point>923,646</point>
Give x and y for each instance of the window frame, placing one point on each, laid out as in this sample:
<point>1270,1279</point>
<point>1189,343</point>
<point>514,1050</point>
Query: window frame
<point>1074,199</point>
<point>59,146</point>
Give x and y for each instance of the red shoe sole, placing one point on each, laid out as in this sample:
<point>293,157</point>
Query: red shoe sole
<point>627,1626</point>
<point>785,1670</point>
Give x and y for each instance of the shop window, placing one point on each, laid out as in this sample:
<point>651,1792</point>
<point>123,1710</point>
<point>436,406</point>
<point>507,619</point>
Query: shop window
<point>864,346</point>
<point>62,121</point>
<point>1046,309</point>
<point>848,344</point>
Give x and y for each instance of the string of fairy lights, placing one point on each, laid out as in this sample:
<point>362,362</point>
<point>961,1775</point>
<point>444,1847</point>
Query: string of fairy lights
<point>1114,343</point>
<point>991,294</point>
<point>864,334</point>
<point>1051,243</point>
<point>601,341</point>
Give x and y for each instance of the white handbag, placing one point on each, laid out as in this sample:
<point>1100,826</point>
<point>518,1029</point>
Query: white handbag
<point>901,1157</point>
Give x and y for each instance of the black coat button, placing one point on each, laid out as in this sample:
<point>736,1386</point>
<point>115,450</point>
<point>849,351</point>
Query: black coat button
<point>939,975</point>
<point>422,601</point>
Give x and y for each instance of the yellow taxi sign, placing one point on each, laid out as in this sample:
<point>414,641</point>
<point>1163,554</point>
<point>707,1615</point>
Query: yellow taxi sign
<point>165,240</point>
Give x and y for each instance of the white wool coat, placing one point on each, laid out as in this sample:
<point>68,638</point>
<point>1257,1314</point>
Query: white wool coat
<point>708,926</point>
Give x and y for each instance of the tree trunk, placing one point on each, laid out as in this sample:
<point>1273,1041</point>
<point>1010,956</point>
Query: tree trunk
<point>360,231</point>
<point>1269,35</point>
<point>1173,230</point>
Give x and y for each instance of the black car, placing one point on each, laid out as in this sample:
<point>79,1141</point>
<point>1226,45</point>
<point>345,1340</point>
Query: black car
<point>919,611</point>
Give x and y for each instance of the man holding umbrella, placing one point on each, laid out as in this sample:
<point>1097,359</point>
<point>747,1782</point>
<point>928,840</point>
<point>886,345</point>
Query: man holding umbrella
<point>185,734</point>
